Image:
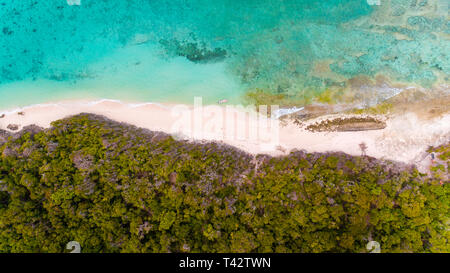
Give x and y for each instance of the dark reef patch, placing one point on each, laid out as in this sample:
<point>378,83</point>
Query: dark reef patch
<point>194,52</point>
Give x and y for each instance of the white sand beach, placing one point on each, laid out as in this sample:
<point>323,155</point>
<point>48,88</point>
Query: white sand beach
<point>405,138</point>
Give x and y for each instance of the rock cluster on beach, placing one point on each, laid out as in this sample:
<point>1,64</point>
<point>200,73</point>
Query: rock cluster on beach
<point>347,124</point>
<point>13,127</point>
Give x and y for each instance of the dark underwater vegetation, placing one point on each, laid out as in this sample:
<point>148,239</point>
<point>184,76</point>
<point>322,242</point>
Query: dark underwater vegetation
<point>113,187</point>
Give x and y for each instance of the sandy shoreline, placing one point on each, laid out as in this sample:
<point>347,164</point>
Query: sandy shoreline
<point>404,139</point>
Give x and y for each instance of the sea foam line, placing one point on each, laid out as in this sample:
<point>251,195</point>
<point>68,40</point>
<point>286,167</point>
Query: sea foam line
<point>79,103</point>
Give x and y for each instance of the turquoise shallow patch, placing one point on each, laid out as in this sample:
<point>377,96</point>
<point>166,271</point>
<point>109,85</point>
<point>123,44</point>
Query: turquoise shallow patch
<point>173,50</point>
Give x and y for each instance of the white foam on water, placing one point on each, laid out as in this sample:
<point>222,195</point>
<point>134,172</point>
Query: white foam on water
<point>285,111</point>
<point>71,103</point>
<point>74,2</point>
<point>95,102</point>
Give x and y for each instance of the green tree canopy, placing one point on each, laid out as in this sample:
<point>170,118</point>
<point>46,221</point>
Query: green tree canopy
<point>117,188</point>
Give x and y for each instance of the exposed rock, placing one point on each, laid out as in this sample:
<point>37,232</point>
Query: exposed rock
<point>281,149</point>
<point>13,127</point>
<point>32,129</point>
<point>319,109</point>
<point>361,126</point>
<point>347,125</point>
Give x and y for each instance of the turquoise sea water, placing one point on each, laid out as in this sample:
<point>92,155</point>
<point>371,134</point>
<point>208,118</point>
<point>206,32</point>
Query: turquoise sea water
<point>172,50</point>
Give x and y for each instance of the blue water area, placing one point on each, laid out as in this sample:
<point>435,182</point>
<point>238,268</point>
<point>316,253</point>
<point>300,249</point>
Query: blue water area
<point>173,50</point>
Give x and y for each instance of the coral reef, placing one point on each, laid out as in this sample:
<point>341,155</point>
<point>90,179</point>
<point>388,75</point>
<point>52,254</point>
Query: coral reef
<point>297,48</point>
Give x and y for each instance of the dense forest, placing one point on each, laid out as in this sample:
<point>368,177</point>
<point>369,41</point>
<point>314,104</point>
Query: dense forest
<point>113,187</point>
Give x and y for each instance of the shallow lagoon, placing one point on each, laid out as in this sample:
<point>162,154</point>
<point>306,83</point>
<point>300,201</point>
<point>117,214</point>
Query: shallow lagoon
<point>170,51</point>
